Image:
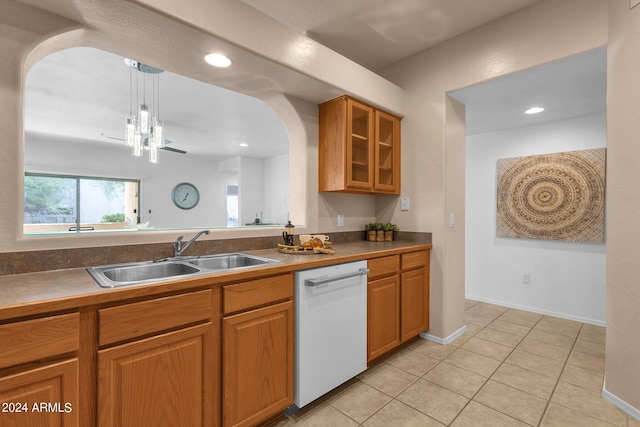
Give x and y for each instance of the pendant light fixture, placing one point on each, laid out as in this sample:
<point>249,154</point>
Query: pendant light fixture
<point>144,130</point>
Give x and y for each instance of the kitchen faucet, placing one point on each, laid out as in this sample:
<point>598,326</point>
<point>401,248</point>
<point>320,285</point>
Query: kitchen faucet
<point>177,245</point>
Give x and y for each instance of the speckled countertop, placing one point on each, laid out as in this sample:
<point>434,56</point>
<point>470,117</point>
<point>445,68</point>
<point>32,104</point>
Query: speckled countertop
<point>60,290</point>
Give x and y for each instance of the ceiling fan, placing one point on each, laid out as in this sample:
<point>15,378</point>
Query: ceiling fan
<point>146,144</point>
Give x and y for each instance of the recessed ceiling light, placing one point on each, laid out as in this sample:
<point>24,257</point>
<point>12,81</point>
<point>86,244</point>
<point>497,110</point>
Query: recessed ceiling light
<point>217,60</point>
<point>534,110</point>
<point>244,144</point>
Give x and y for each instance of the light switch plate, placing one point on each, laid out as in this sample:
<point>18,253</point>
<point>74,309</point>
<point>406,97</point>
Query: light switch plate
<point>340,220</point>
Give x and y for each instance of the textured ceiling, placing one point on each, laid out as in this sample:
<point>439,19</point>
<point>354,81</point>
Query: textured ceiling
<point>376,33</point>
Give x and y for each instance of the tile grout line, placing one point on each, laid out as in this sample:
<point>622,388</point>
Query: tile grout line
<point>418,378</point>
<point>499,366</point>
<point>564,366</point>
<point>575,341</point>
<point>394,397</point>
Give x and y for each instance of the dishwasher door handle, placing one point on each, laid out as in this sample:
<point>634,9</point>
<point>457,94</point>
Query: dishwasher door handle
<point>327,279</point>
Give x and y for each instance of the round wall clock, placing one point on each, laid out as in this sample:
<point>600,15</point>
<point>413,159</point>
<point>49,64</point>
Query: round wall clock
<point>185,195</point>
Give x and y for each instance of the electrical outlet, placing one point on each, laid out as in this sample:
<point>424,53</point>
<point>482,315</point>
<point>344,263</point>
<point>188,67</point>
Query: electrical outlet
<point>404,204</point>
<point>526,278</point>
<point>340,220</point>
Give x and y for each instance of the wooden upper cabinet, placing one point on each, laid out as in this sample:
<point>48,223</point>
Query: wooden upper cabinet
<point>359,148</point>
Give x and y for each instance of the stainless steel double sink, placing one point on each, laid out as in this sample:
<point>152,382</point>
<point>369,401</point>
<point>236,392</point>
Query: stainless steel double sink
<point>138,273</point>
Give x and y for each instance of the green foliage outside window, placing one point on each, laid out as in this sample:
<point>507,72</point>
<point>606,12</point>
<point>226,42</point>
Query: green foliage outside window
<point>116,217</point>
<point>46,195</point>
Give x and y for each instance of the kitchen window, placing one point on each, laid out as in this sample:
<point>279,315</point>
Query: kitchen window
<point>75,204</point>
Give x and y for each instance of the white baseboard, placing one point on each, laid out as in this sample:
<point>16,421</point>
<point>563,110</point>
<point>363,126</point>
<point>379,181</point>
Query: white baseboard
<point>621,404</point>
<point>538,310</point>
<point>444,341</point>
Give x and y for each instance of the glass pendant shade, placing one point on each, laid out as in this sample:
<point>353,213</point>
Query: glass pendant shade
<point>130,131</point>
<point>153,153</point>
<point>143,119</point>
<point>157,131</point>
<point>137,145</point>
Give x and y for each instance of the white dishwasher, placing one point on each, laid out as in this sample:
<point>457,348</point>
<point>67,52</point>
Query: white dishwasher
<point>330,328</point>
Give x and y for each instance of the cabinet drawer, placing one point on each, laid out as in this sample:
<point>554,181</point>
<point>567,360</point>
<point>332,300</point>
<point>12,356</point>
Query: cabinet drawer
<point>39,338</point>
<point>414,259</point>
<point>243,296</point>
<point>146,317</point>
<point>383,266</point>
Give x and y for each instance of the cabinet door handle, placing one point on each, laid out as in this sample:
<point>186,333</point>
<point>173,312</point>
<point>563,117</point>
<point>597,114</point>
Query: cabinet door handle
<point>326,279</point>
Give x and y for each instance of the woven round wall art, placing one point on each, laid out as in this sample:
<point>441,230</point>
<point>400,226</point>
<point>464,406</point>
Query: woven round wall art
<point>557,196</point>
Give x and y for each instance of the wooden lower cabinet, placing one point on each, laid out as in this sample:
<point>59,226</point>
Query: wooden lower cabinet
<point>39,372</point>
<point>42,396</point>
<point>159,381</point>
<point>397,300</point>
<point>156,361</point>
<point>383,316</point>
<point>414,300</point>
<point>257,378</point>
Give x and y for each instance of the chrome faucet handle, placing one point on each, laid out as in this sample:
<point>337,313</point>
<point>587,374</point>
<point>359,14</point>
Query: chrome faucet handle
<point>177,246</point>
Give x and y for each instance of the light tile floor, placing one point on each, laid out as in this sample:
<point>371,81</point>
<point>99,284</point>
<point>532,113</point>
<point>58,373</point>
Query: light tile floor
<point>511,368</point>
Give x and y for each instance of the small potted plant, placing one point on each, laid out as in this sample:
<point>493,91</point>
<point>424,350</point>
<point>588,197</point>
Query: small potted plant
<point>389,229</point>
<point>371,230</point>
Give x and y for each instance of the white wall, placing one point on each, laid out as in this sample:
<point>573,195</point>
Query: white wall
<point>263,188</point>
<point>567,279</point>
<point>276,190</point>
<point>250,195</point>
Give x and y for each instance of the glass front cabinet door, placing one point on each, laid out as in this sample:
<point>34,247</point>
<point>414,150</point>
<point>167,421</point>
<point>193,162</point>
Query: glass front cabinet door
<point>359,146</point>
<point>387,153</point>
